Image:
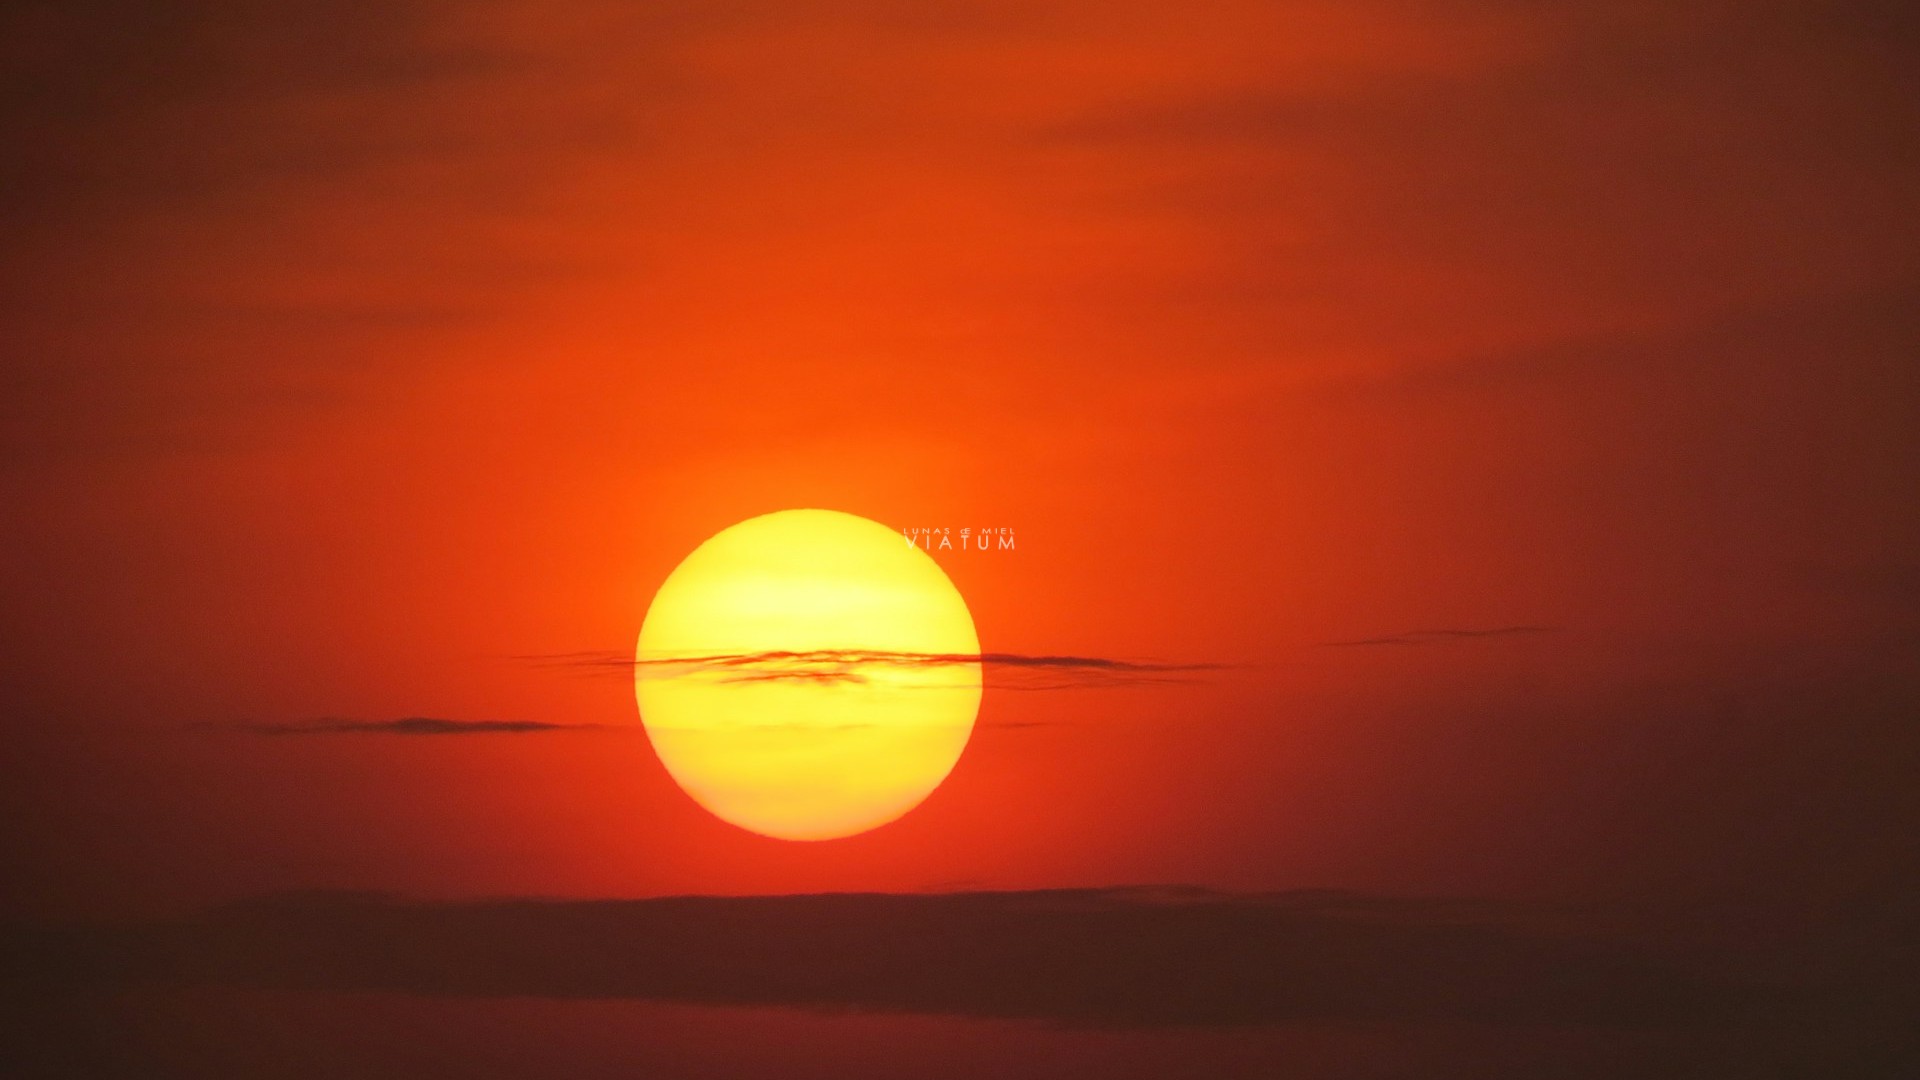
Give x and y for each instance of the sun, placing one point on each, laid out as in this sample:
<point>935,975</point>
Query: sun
<point>808,674</point>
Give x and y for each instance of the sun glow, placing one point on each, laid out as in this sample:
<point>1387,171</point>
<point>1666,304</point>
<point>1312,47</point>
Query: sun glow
<point>808,674</point>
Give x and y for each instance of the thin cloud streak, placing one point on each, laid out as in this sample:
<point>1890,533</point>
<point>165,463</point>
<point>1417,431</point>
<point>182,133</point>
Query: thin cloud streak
<point>1439,637</point>
<point>1009,671</point>
<point>408,725</point>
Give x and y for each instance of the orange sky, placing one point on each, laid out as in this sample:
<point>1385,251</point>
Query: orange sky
<point>354,353</point>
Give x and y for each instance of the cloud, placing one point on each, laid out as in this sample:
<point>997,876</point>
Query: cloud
<point>1891,582</point>
<point>1778,347</point>
<point>1585,154</point>
<point>1114,958</point>
<point>1008,671</point>
<point>256,129</point>
<point>96,72</point>
<point>1435,637</point>
<point>410,725</point>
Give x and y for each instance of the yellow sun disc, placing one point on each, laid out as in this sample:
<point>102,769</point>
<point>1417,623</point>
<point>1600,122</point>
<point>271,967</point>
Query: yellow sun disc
<point>808,674</point>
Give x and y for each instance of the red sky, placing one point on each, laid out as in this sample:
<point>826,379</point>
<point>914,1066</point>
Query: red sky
<point>353,351</point>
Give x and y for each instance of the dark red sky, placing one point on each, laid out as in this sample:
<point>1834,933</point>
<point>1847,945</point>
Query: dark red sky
<point>354,350</point>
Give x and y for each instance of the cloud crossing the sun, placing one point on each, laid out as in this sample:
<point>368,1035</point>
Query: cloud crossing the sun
<point>1009,671</point>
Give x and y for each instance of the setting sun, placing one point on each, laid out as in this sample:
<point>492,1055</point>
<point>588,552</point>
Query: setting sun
<point>808,675</point>
<point>837,540</point>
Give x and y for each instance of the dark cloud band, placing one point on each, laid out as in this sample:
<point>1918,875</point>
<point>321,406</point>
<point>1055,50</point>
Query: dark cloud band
<point>1136,958</point>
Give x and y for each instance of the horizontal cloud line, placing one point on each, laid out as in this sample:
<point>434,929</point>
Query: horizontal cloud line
<point>853,666</point>
<point>1435,637</point>
<point>405,725</point>
<point>1118,958</point>
<point>437,726</point>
